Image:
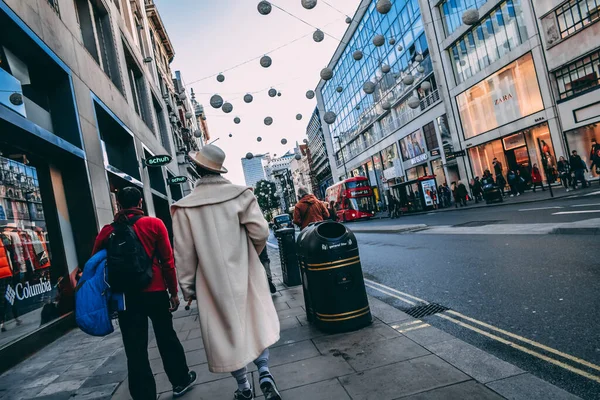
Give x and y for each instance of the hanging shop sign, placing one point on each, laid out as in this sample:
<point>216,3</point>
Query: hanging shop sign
<point>158,161</point>
<point>435,153</point>
<point>453,154</point>
<point>26,291</point>
<point>176,180</point>
<point>419,159</point>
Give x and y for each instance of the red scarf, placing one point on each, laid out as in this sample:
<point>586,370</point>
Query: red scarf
<point>122,215</point>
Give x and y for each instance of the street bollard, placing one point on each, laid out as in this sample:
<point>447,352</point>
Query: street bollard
<point>334,289</point>
<point>286,238</point>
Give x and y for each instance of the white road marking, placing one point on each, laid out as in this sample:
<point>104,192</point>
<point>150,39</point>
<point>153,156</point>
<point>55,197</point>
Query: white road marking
<point>541,208</point>
<point>577,212</point>
<point>592,194</point>
<point>585,205</point>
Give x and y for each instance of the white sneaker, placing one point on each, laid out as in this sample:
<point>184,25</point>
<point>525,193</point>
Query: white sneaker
<point>518,194</point>
<point>512,195</point>
<point>568,190</point>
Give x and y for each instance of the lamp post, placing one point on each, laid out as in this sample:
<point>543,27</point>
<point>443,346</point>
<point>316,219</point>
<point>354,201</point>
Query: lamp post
<point>342,152</point>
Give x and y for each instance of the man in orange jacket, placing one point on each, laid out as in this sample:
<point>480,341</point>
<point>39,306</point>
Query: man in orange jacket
<point>308,209</point>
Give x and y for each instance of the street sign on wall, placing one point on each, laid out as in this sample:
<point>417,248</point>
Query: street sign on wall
<point>158,161</point>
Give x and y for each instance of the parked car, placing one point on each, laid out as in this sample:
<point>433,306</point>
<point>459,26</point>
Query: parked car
<point>282,221</point>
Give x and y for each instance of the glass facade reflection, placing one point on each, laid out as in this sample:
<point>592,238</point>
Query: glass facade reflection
<point>499,32</point>
<point>356,110</point>
<point>452,11</point>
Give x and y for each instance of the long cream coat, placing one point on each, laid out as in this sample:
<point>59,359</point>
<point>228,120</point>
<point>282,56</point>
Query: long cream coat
<point>219,231</point>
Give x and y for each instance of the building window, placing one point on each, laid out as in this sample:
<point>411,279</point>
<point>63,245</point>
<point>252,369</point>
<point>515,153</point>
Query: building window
<point>576,15</point>
<point>94,22</point>
<point>452,11</point>
<point>413,147</point>
<point>500,31</point>
<point>579,76</point>
<point>162,125</point>
<point>54,5</point>
<point>137,84</point>
<point>430,136</point>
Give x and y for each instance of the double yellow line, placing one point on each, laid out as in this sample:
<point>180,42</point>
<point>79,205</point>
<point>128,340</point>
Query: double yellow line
<point>492,332</point>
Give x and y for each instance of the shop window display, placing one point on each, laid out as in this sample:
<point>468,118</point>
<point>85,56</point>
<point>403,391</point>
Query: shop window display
<point>25,255</point>
<point>586,141</point>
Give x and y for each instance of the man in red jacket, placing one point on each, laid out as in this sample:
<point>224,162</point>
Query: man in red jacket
<point>153,302</point>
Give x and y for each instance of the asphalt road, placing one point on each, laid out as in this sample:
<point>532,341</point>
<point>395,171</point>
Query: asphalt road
<point>571,209</point>
<point>543,287</point>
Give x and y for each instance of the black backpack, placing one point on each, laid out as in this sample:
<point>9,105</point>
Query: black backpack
<point>129,266</point>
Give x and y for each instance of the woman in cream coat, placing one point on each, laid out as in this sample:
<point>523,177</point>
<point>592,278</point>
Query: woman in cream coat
<point>219,232</point>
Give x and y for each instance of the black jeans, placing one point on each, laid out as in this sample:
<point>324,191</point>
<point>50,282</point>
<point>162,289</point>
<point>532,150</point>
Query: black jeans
<point>134,328</point>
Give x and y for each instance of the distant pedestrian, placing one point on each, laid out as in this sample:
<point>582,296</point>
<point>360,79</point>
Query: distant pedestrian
<point>498,169</point>
<point>595,156</point>
<point>521,183</point>
<point>266,262</point>
<point>477,190</point>
<point>513,183</point>
<point>536,178</point>
<point>150,302</point>
<point>308,209</point>
<point>564,169</point>
<point>332,211</point>
<point>219,232</point>
<point>460,194</point>
<point>579,169</point>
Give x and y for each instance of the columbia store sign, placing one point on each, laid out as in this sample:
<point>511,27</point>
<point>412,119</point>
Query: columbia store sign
<point>26,291</point>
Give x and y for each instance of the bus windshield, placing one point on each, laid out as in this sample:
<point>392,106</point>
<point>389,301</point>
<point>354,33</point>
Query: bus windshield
<point>356,184</point>
<point>363,204</point>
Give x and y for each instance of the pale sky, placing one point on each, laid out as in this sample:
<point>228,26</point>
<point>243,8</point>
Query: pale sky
<point>212,36</point>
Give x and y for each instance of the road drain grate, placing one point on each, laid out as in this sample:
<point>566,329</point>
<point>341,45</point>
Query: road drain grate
<point>472,224</point>
<point>423,311</point>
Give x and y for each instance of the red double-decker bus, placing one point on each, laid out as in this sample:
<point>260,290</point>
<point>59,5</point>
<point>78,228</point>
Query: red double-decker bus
<point>353,199</point>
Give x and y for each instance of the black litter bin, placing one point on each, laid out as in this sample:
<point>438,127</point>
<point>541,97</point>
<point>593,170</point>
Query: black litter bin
<point>287,253</point>
<point>334,288</point>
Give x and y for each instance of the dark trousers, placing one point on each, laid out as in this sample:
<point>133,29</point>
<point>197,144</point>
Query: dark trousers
<point>134,328</point>
<point>579,177</point>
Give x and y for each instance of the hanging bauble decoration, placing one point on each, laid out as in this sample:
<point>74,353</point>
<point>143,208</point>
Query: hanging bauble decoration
<point>385,68</point>
<point>216,101</point>
<point>392,41</point>
<point>220,78</point>
<point>310,94</point>
<point>408,79</point>
<point>470,16</point>
<point>386,105</point>
<point>339,89</point>
<point>266,61</point>
<point>329,117</point>
<point>272,92</point>
<point>230,135</point>
<point>420,69</point>
<point>384,6</point>
<point>326,74</point>
<point>348,20</point>
<point>298,157</point>
<point>268,121</point>
<point>264,7</point>
<point>419,57</point>
<point>259,139</point>
<point>298,117</point>
<point>400,48</point>
<point>284,141</point>
<point>227,108</point>
<point>278,94</point>
<point>188,115</point>
<point>305,141</point>
<point>237,120</point>
<point>357,55</point>
<point>309,4</point>
<point>462,63</point>
<point>197,133</point>
<point>318,36</point>
<point>275,155</point>
<point>426,85</point>
<point>249,156</point>
<point>369,87</point>
<point>378,40</point>
<point>248,98</point>
<point>357,107</point>
<point>413,102</point>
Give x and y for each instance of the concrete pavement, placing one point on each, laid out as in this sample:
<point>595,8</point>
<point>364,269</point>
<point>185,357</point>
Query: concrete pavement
<point>396,357</point>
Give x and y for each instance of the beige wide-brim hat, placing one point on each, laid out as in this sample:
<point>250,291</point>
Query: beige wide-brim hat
<point>209,157</point>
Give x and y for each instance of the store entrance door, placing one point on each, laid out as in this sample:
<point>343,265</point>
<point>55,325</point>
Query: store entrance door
<point>517,158</point>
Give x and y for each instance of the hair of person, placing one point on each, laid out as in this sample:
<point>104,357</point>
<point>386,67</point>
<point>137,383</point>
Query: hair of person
<point>302,191</point>
<point>204,172</point>
<point>129,197</point>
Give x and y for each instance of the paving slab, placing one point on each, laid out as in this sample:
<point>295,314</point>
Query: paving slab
<point>428,335</point>
<point>357,339</point>
<point>529,387</point>
<point>384,352</point>
<point>482,366</point>
<point>469,390</point>
<point>311,370</point>
<point>326,390</point>
<point>386,313</point>
<point>402,379</point>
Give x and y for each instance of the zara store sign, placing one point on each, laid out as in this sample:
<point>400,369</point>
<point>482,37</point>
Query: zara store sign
<point>25,291</point>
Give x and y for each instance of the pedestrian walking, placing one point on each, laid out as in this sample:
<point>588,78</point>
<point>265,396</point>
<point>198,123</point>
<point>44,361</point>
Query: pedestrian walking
<point>157,300</point>
<point>266,263</point>
<point>512,179</point>
<point>332,211</point>
<point>460,194</point>
<point>308,209</point>
<point>579,169</point>
<point>536,178</point>
<point>521,183</point>
<point>447,194</point>
<point>498,168</point>
<point>595,156</point>
<point>477,190</point>
<point>219,232</point>
<point>564,169</point>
